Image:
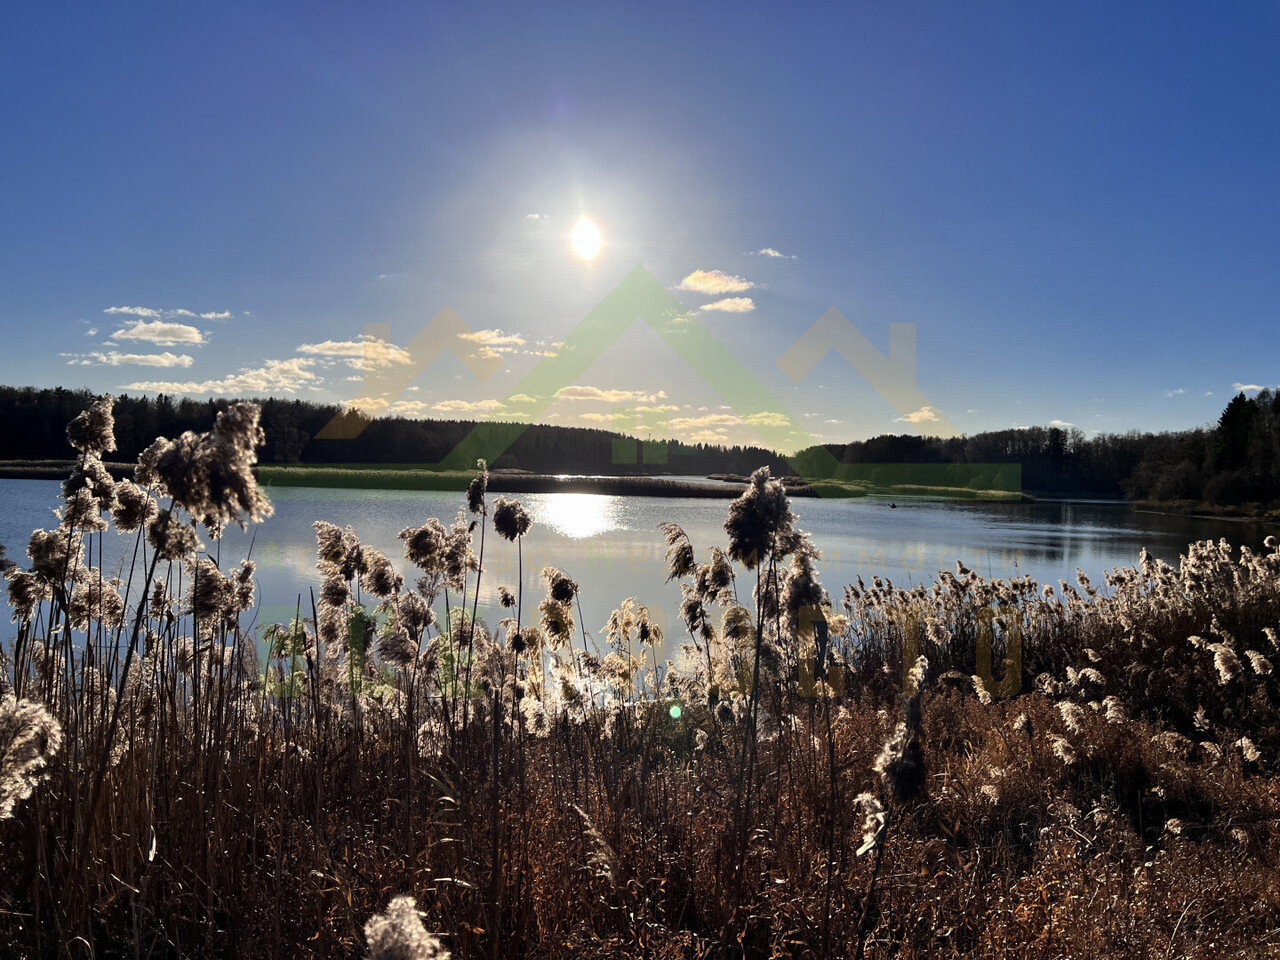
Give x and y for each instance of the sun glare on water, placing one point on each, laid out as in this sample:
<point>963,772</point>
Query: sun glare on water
<point>586,239</point>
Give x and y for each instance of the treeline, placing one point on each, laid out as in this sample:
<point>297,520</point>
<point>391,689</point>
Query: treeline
<point>1236,462</point>
<point>35,429</point>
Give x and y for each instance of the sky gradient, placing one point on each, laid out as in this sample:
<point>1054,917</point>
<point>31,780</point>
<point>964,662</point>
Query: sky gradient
<point>1076,205</point>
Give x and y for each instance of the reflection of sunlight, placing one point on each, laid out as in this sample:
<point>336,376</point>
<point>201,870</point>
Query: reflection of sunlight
<point>579,515</point>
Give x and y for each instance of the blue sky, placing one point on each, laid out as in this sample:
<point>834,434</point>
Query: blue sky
<point>1076,205</point>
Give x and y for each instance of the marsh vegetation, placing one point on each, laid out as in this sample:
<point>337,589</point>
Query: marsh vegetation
<point>977,767</point>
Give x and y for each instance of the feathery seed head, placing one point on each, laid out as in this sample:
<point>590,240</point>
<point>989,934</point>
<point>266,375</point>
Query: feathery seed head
<point>398,934</point>
<point>29,738</point>
<point>93,431</point>
<point>560,587</point>
<point>171,538</point>
<point>510,519</point>
<point>875,822</point>
<point>26,592</point>
<point>476,490</point>
<point>134,507</point>
<point>757,519</point>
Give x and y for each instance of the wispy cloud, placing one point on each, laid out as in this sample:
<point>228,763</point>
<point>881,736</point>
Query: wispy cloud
<point>600,395</point>
<point>212,315</point>
<point>771,252</point>
<point>135,311</point>
<point>367,353</point>
<point>162,333</point>
<point>493,343</point>
<point>534,216</point>
<point>274,376</point>
<point>1174,393</point>
<point>1061,423</point>
<point>629,418</point>
<point>153,313</point>
<point>381,407</point>
<point>494,338</point>
<point>1248,387</point>
<point>545,348</point>
<point>91,332</point>
<point>720,437</point>
<point>113,358</point>
<point>714,282</point>
<point>732,305</point>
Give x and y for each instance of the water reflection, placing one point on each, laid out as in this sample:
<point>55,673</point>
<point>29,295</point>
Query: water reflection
<point>612,545</point>
<point>578,515</point>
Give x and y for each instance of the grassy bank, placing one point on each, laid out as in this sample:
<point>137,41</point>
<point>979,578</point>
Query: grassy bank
<point>432,477</point>
<point>54,469</point>
<point>422,478</point>
<point>410,477</point>
<point>1199,508</point>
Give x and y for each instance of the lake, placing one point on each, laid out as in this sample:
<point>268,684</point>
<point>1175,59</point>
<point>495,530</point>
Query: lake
<point>612,546</point>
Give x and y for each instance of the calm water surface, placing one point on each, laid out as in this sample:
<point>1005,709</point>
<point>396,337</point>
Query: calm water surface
<point>612,546</point>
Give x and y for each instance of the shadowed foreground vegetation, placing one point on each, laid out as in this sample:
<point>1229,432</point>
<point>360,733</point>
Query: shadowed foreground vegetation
<point>979,768</point>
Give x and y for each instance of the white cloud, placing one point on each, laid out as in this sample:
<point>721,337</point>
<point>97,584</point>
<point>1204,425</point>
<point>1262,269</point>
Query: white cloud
<point>493,343</point>
<point>1061,423</point>
<point>771,252</point>
<point>369,406</point>
<point>522,398</point>
<point>91,332</point>
<point>714,282</point>
<point>708,436</point>
<point>367,353</point>
<point>409,408</point>
<point>1248,387</point>
<point>135,311</point>
<point>113,358</point>
<point>1174,393</point>
<point>1208,393</point>
<point>160,332</point>
<point>600,395</point>
<point>926,414</point>
<point>833,421</point>
<point>466,406</point>
<point>597,417</point>
<point>710,420</point>
<point>283,376</point>
<point>533,216</point>
<point>224,315</point>
<point>768,419</point>
<point>494,338</point>
<point>732,305</point>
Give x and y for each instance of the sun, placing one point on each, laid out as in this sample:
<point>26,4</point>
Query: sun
<point>585,239</point>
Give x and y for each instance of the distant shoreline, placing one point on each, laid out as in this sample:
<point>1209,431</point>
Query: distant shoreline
<point>422,477</point>
<point>415,477</point>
